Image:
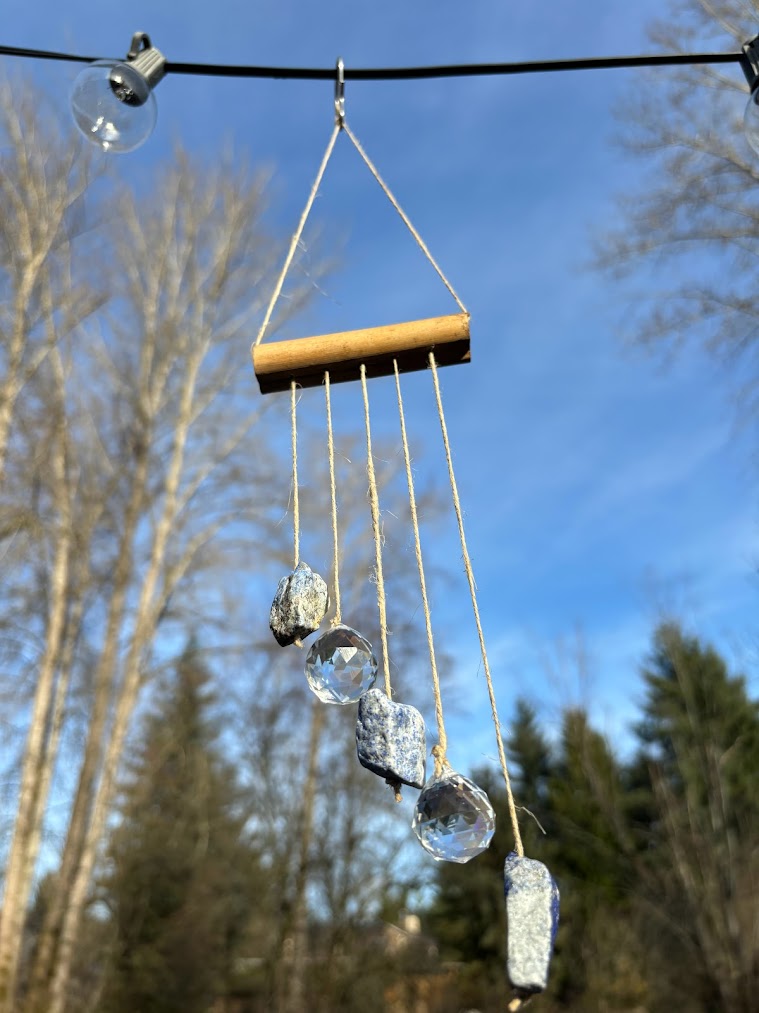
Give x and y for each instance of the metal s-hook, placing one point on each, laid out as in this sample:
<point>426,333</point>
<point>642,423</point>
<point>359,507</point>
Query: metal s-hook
<point>340,94</point>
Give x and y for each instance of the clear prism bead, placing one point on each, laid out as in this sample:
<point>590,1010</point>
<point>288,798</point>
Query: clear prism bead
<point>453,819</point>
<point>341,665</point>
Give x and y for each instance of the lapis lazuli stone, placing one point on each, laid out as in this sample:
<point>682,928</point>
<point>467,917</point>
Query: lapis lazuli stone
<point>341,666</point>
<point>299,605</point>
<point>532,911</point>
<point>453,819</point>
<point>390,739</point>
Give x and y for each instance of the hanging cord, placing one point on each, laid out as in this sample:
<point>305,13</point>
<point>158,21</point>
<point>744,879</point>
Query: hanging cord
<point>473,591</point>
<point>297,234</point>
<point>517,1003</point>
<point>338,617</point>
<point>439,750</point>
<point>386,190</point>
<point>374,500</point>
<point>296,500</point>
<point>342,124</point>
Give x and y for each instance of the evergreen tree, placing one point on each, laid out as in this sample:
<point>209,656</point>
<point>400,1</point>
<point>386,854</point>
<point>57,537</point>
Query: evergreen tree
<point>181,873</point>
<point>530,756</point>
<point>468,917</point>
<point>700,745</point>
<point>656,859</point>
<point>579,793</point>
<point>697,715</point>
<point>592,852</point>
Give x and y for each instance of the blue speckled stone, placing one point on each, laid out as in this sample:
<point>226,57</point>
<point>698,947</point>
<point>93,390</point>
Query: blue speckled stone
<point>532,910</point>
<point>390,739</point>
<point>299,605</point>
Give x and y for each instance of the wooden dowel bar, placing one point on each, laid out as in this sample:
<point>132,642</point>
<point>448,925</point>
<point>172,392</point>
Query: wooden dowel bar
<point>305,360</point>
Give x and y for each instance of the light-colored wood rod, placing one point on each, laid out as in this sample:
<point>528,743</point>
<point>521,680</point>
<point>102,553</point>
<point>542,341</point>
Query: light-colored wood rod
<point>305,360</point>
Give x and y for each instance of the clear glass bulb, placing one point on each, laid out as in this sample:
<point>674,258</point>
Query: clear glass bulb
<point>751,120</point>
<point>113,106</point>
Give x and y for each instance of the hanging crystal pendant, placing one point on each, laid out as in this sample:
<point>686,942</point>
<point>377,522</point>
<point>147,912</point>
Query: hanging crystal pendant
<point>453,819</point>
<point>341,665</point>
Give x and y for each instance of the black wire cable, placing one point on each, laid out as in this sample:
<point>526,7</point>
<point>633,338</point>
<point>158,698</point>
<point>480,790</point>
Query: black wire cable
<point>407,73</point>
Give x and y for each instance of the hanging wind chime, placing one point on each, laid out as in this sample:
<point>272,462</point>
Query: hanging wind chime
<point>453,818</point>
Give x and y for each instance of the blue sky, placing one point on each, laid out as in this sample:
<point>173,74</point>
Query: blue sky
<point>599,485</point>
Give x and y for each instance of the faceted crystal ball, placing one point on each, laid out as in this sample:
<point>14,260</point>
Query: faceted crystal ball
<point>341,665</point>
<point>453,819</point>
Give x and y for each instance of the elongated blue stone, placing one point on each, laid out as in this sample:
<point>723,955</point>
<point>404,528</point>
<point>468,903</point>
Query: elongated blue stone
<point>390,739</point>
<point>532,911</point>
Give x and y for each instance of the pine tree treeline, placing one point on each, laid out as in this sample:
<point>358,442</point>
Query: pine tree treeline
<point>182,875</point>
<point>657,856</point>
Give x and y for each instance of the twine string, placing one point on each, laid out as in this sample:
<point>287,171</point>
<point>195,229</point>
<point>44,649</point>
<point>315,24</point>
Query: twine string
<point>340,125</point>
<point>404,217</point>
<point>297,235</point>
<point>374,501</point>
<point>338,617</point>
<point>439,751</point>
<point>473,592</point>
<point>296,498</point>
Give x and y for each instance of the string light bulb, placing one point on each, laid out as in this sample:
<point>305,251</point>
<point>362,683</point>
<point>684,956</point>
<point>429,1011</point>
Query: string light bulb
<point>750,65</point>
<point>112,101</point>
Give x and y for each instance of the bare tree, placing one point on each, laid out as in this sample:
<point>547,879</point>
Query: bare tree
<point>694,218</point>
<point>140,476</point>
<point>43,181</point>
<point>181,438</point>
<point>153,408</point>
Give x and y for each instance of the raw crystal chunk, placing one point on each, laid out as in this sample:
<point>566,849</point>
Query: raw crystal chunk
<point>532,910</point>
<point>299,605</point>
<point>453,819</point>
<point>390,739</point>
<point>341,666</point>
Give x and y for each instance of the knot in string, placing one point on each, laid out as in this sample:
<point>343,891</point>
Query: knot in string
<point>441,762</point>
<point>396,786</point>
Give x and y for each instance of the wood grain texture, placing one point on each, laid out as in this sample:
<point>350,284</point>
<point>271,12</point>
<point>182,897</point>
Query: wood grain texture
<point>305,360</point>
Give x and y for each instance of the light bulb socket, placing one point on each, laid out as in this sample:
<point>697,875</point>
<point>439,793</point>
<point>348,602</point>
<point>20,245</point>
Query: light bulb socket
<point>750,62</point>
<point>133,80</point>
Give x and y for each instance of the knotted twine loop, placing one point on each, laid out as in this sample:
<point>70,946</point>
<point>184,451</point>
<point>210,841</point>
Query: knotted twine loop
<point>518,847</point>
<point>396,786</point>
<point>441,763</point>
<point>337,618</point>
<point>376,530</point>
<point>439,750</point>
